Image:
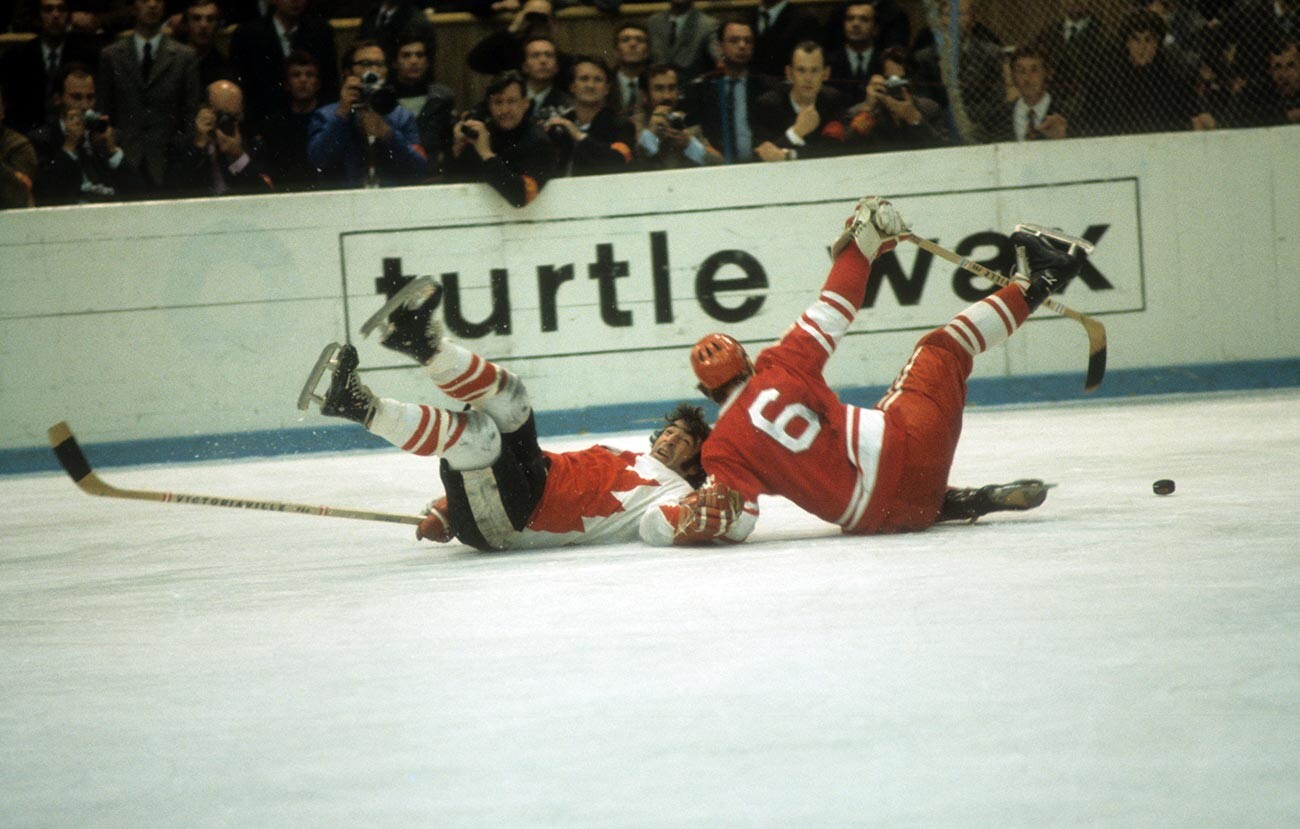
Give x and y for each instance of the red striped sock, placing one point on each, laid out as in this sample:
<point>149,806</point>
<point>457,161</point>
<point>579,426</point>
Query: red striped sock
<point>990,321</point>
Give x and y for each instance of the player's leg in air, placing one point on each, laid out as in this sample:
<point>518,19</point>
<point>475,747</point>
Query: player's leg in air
<point>927,398</point>
<point>492,467</point>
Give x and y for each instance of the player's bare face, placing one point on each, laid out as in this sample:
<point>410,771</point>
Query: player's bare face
<point>675,447</point>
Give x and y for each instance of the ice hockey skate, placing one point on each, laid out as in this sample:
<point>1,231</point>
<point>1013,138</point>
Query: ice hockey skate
<point>972,503</point>
<point>876,227</point>
<point>346,397</point>
<point>1049,258</point>
<point>409,324</point>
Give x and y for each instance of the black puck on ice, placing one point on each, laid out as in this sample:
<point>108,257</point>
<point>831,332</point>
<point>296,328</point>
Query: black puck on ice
<point>1164,486</point>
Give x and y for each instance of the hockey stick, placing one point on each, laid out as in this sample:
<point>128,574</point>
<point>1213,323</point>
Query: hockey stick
<point>78,468</point>
<point>1096,331</point>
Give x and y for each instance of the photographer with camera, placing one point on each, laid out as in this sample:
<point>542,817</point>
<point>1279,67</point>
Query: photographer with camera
<point>591,138</point>
<point>367,138</point>
<point>503,148</point>
<point>664,139</point>
<point>802,119</point>
<point>80,160</point>
<point>215,157</point>
<point>893,117</point>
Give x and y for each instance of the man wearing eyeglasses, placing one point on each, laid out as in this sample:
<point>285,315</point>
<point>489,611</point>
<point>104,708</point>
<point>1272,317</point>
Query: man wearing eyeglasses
<point>366,138</point>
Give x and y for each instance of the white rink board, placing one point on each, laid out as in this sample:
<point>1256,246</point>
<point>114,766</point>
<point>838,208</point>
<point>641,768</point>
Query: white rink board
<point>201,317</point>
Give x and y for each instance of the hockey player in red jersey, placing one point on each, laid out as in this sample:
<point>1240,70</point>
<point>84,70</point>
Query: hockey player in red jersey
<point>502,490</point>
<point>782,431</point>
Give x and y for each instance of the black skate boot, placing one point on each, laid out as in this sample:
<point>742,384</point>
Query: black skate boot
<point>409,324</point>
<point>346,396</point>
<point>970,504</point>
<point>1052,259</point>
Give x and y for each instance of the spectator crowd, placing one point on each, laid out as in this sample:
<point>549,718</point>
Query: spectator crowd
<point>127,99</point>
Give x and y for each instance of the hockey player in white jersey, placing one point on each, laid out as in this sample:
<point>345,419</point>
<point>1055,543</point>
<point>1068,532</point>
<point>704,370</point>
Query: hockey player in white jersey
<point>502,490</point>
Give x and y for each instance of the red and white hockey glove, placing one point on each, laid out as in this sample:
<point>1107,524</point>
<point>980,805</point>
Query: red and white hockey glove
<point>876,227</point>
<point>707,514</point>
<point>436,525</point>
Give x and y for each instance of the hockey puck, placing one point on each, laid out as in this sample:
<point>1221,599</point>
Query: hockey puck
<point>1164,486</point>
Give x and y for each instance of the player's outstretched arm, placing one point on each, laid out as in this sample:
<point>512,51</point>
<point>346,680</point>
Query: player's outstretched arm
<point>712,514</point>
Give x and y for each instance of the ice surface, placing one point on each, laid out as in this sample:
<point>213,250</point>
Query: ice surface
<point>1112,659</point>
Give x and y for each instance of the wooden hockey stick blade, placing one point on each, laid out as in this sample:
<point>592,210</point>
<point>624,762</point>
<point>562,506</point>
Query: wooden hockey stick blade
<point>78,468</point>
<point>1095,330</point>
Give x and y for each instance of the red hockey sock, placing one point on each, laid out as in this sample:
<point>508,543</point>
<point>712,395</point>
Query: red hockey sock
<point>990,321</point>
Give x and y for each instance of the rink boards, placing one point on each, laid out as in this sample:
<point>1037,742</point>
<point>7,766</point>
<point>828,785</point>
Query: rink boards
<point>193,323</point>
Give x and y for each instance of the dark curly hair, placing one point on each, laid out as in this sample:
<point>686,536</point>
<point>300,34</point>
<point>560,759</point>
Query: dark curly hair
<point>692,419</point>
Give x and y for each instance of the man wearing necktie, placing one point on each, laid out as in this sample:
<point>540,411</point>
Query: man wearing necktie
<point>780,27</point>
<point>149,88</point>
<point>29,70</point>
<point>721,102</point>
<point>631,56</point>
<point>852,66</point>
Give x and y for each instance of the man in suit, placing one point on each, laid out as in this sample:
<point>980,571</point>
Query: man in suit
<point>722,102</point>
<point>200,24</point>
<point>391,19</point>
<point>258,50</point>
<point>1035,113</point>
<point>685,37</point>
<point>852,65</point>
<point>29,70</point>
<point>215,157</point>
<point>895,116</point>
<point>541,71</point>
<point>1071,45</point>
<point>778,28</point>
<point>631,57</point>
<point>801,119</point>
<point>80,162</point>
<point>149,88</point>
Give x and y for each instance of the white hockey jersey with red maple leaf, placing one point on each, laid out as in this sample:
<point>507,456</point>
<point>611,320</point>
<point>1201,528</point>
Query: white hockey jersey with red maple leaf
<point>601,495</point>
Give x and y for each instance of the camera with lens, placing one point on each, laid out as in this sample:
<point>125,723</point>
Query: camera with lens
<point>895,86</point>
<point>557,132</point>
<point>472,132</point>
<point>376,95</point>
<point>676,120</point>
<point>227,124</point>
<point>96,122</point>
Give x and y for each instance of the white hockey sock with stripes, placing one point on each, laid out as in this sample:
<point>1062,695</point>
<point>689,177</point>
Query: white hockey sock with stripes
<point>466,440</point>
<point>990,321</point>
<point>463,375</point>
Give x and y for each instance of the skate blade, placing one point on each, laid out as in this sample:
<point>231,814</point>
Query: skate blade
<point>1059,235</point>
<point>423,285</point>
<point>309,393</point>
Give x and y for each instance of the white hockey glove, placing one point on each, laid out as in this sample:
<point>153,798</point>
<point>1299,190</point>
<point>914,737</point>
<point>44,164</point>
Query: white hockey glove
<point>876,228</point>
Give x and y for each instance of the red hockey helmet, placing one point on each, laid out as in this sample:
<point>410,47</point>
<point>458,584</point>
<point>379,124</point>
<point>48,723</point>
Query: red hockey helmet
<point>717,359</point>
